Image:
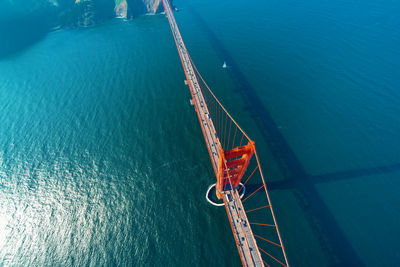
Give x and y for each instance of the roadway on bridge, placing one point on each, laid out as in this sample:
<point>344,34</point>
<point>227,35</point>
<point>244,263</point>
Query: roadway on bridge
<point>245,241</point>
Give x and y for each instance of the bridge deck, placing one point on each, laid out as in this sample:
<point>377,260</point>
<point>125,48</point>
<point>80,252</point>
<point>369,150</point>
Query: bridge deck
<point>206,123</point>
<point>244,237</point>
<point>245,241</point>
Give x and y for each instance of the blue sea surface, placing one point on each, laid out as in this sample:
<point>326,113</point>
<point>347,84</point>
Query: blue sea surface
<point>102,160</point>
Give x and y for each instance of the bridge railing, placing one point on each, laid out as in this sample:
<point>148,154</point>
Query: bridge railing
<point>256,200</point>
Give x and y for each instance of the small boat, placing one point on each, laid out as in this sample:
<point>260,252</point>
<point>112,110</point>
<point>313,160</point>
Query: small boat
<point>224,66</point>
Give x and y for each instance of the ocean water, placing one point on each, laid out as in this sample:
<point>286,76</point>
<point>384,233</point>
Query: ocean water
<point>102,160</point>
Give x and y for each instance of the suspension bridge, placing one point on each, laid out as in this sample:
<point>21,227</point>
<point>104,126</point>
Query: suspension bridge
<point>232,154</point>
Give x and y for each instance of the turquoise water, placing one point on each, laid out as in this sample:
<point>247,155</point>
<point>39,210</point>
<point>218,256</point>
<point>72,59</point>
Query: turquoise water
<point>102,160</point>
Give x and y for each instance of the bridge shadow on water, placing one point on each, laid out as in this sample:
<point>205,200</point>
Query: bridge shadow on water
<point>331,238</point>
<point>337,176</point>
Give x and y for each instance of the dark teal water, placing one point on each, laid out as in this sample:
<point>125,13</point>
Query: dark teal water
<point>102,160</point>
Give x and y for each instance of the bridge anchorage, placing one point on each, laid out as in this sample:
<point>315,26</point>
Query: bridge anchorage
<point>232,154</point>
